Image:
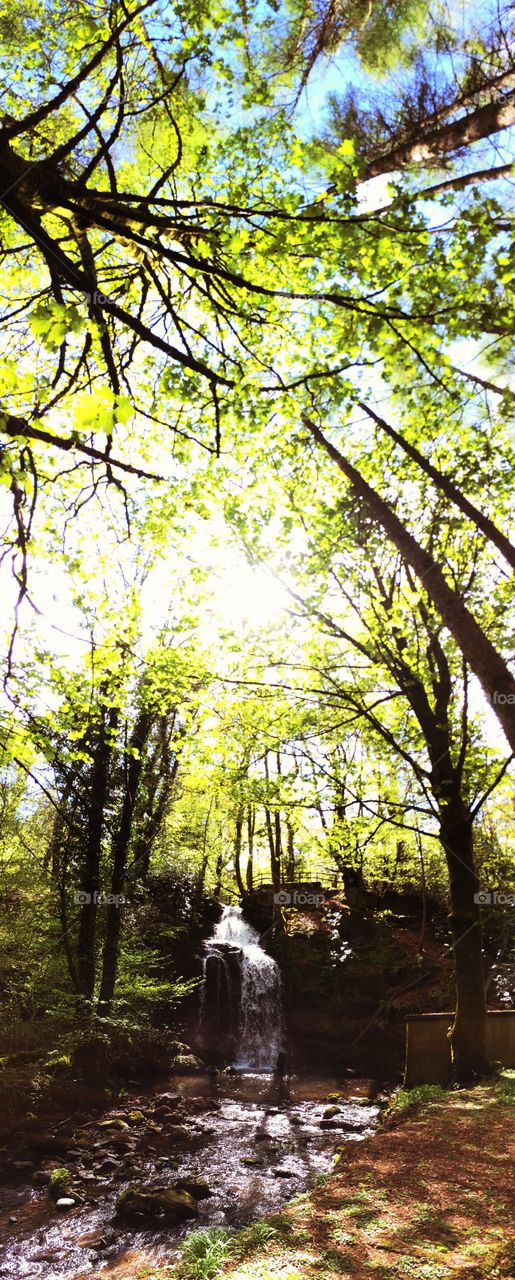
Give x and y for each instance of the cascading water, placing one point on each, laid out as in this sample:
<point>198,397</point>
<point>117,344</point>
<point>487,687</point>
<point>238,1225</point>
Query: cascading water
<point>241,1010</point>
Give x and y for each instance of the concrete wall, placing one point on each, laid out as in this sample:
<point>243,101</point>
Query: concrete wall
<point>428,1055</point>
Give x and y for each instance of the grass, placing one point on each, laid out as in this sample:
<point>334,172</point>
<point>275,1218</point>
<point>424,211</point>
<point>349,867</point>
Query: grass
<point>422,1095</point>
<point>205,1253</point>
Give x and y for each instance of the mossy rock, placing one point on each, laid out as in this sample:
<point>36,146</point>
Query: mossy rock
<point>59,1184</point>
<point>188,1064</point>
<point>140,1204</point>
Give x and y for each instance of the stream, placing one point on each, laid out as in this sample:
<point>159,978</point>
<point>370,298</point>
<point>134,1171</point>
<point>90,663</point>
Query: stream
<point>256,1135</point>
<point>257,1138</point>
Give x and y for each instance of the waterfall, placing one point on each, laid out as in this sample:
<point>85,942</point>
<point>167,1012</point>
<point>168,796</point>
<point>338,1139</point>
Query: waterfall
<point>241,1014</point>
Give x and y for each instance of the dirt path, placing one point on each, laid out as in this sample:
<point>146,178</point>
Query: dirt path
<point>430,1197</point>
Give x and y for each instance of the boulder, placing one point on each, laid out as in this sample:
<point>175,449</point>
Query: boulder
<point>65,1203</point>
<point>330,1112</point>
<point>140,1204</point>
<point>187,1064</point>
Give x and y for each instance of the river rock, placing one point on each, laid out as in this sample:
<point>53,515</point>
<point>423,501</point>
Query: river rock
<point>330,1112</point>
<point>137,1204</point>
<point>59,1184</point>
<point>196,1187</point>
<point>163,1112</point>
<point>93,1239</point>
<point>188,1064</point>
<point>65,1203</point>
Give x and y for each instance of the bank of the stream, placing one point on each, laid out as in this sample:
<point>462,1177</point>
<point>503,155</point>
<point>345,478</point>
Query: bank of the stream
<point>430,1196</point>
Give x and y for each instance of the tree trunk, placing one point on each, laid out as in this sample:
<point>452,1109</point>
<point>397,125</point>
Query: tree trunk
<point>251,827</point>
<point>483,658</point>
<point>443,482</point>
<point>290,865</point>
<point>205,850</point>
<point>219,866</point>
<point>274,838</point>
<point>445,139</point>
<point>468,1033</point>
<point>119,862</point>
<point>237,852</point>
<point>90,887</point>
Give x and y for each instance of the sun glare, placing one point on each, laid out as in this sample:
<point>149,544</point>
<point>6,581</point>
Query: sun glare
<point>244,596</point>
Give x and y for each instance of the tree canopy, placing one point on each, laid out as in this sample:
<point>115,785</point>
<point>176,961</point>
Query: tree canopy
<point>226,323</point>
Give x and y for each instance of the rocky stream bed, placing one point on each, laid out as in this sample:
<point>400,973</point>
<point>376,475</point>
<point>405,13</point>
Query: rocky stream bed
<point>198,1151</point>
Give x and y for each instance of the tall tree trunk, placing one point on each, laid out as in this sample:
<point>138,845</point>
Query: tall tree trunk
<point>237,851</point>
<point>483,658</point>
<point>445,138</point>
<point>205,849</point>
<point>468,1034</point>
<point>219,866</point>
<point>119,862</point>
<point>290,864</point>
<point>251,827</point>
<point>90,887</point>
<point>443,482</point>
<point>273,831</point>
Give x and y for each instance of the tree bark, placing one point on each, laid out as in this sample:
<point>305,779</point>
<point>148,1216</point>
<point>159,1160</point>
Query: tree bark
<point>290,865</point>
<point>468,1032</point>
<point>119,862</point>
<point>237,852</point>
<point>86,948</point>
<point>445,138</point>
<point>448,487</point>
<point>251,827</point>
<point>274,837</point>
<point>483,658</point>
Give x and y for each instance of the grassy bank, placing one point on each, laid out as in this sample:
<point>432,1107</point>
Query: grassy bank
<point>429,1197</point>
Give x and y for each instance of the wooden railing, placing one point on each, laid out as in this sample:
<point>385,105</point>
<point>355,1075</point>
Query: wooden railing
<point>324,875</point>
